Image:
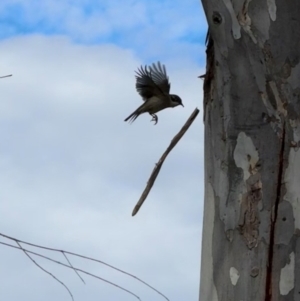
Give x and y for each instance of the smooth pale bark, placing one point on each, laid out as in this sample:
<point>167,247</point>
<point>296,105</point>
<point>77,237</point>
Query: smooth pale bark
<point>251,231</point>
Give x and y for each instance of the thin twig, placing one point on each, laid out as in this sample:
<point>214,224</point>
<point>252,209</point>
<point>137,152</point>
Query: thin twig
<point>88,258</point>
<point>70,267</point>
<point>158,165</point>
<point>5,76</point>
<point>44,270</point>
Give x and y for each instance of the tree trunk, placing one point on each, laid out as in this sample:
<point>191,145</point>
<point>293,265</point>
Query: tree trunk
<point>251,231</point>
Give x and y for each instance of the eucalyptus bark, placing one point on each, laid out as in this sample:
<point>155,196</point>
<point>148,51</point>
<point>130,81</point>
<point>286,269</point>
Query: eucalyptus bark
<point>251,228</point>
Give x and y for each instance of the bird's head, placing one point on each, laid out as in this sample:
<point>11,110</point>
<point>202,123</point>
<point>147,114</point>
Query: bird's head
<point>176,100</point>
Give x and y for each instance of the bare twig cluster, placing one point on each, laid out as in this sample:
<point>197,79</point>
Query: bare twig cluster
<point>30,254</point>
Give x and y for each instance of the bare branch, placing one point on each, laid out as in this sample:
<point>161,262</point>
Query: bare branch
<point>44,270</point>
<point>70,267</point>
<point>5,76</point>
<point>158,165</point>
<point>83,257</point>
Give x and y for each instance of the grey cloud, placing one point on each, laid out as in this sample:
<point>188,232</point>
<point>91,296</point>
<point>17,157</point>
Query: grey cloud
<point>71,171</point>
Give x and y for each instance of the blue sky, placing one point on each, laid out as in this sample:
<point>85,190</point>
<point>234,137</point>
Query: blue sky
<point>72,170</point>
<point>152,28</point>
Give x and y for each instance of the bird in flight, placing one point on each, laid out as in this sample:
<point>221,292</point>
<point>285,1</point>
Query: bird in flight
<point>154,87</point>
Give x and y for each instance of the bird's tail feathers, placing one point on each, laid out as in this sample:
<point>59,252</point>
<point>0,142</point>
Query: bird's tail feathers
<point>140,110</point>
<point>132,117</point>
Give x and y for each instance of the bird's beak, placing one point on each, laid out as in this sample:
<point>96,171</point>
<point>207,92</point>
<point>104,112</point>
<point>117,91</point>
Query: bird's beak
<point>182,105</point>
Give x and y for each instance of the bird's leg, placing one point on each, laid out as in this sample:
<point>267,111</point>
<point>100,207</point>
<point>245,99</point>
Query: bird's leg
<point>154,118</point>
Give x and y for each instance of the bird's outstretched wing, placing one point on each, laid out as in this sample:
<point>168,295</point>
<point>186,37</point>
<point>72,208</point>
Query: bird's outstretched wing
<point>153,81</point>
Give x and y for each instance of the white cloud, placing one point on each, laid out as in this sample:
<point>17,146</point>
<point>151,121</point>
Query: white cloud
<point>71,171</point>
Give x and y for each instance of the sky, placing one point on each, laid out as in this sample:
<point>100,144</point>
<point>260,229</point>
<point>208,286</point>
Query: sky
<point>72,170</point>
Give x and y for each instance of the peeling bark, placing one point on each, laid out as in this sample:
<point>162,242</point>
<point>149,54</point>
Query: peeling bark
<point>251,228</point>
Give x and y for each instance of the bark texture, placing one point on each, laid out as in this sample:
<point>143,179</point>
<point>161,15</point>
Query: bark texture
<point>251,231</point>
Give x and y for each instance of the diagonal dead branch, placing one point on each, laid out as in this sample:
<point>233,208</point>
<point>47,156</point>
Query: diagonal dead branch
<point>44,270</point>
<point>158,165</point>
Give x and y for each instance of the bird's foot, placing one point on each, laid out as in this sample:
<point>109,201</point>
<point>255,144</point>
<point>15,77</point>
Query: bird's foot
<point>154,118</point>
